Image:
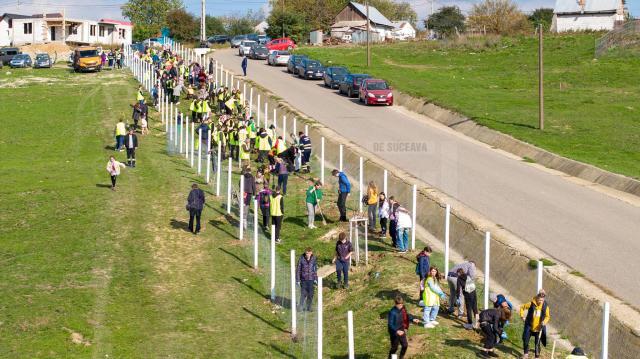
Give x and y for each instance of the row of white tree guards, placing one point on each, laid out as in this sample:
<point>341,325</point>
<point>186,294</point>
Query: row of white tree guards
<point>182,142</point>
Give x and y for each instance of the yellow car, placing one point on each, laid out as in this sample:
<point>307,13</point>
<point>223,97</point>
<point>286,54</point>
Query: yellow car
<point>86,58</point>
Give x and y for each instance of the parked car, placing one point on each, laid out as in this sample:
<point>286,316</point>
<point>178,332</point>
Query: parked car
<point>263,39</point>
<point>294,60</point>
<point>7,54</point>
<point>333,74</point>
<point>277,58</point>
<point>310,69</point>
<point>350,84</point>
<point>218,39</point>
<point>236,40</point>
<point>245,47</point>
<point>253,37</point>
<point>281,44</point>
<point>42,61</point>
<point>21,60</point>
<point>375,92</point>
<point>258,52</point>
<point>87,58</point>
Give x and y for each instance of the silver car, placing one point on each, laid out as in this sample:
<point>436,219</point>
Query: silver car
<point>245,47</point>
<point>278,58</point>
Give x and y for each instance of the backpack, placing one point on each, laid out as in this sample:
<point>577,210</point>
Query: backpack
<point>365,199</point>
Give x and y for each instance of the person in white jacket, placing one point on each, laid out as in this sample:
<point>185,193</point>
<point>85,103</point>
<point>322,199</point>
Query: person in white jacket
<point>383,213</point>
<point>404,226</point>
<point>113,167</point>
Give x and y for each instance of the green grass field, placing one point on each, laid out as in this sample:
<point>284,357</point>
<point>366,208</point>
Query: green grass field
<point>86,272</point>
<point>591,105</point>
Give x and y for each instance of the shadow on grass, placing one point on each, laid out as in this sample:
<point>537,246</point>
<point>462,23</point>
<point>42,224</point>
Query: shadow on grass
<point>111,148</point>
<point>357,356</point>
<point>236,257</point>
<point>103,185</point>
<point>177,224</point>
<point>277,349</point>
<point>263,320</point>
<point>299,221</point>
<point>390,294</point>
<point>262,295</point>
<point>515,124</point>
<point>462,343</point>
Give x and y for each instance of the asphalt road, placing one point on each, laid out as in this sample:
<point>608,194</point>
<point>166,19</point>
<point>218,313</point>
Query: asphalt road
<point>590,231</point>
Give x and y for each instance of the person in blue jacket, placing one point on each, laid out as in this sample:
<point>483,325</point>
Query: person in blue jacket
<point>500,301</point>
<point>344,188</point>
<point>422,267</point>
<point>398,322</point>
<point>245,62</point>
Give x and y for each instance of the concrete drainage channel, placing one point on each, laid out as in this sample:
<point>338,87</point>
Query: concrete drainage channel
<point>577,304</point>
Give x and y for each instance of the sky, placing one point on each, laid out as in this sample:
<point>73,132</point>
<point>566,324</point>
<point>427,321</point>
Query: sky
<point>97,9</point>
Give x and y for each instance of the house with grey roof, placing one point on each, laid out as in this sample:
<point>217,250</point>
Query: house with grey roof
<point>580,15</point>
<point>352,20</point>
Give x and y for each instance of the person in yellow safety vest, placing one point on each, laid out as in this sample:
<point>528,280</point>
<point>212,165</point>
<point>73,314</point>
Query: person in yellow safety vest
<point>276,207</point>
<point>242,133</point>
<point>195,109</point>
<point>264,145</point>
<point>204,109</point>
<point>271,132</point>
<point>251,128</point>
<point>245,154</point>
<point>231,104</point>
<point>233,143</point>
<point>139,95</point>
<point>222,137</point>
<point>280,146</point>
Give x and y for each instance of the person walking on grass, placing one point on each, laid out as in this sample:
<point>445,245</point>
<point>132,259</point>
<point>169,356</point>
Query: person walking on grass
<point>195,203</point>
<point>536,316</point>
<point>383,213</point>
<point>344,188</point>
<point>245,62</point>
<point>283,174</point>
<point>120,132</point>
<point>422,267</point>
<point>467,289</point>
<point>314,195</point>
<point>276,209</point>
<point>398,322</point>
<point>404,227</point>
<point>452,280</point>
<point>113,167</point>
<point>372,205</point>
<point>431,296</point>
<point>306,278</point>
<point>492,325</point>
<point>342,260</point>
<point>131,145</point>
<point>263,201</point>
<point>249,193</point>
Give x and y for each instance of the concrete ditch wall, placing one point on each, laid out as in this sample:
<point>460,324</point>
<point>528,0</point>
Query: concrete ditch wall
<point>520,148</point>
<point>576,304</point>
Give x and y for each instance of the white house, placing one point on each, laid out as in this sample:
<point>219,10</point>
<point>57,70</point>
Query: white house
<point>46,28</point>
<point>403,30</point>
<point>577,15</point>
<point>261,28</point>
<point>6,27</point>
<point>353,19</point>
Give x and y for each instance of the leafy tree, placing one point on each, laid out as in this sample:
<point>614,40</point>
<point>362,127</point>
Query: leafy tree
<point>239,26</point>
<point>499,17</point>
<point>292,24</point>
<point>149,16</point>
<point>446,20</point>
<point>214,26</point>
<point>182,25</point>
<point>542,16</point>
<point>404,11</point>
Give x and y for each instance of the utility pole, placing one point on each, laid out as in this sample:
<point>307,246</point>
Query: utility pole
<point>368,40</point>
<point>540,80</point>
<point>203,35</point>
<point>64,25</point>
<point>284,9</point>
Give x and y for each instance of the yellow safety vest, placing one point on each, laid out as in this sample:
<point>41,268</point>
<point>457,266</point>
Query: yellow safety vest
<point>244,155</point>
<point>274,205</point>
<point>140,97</point>
<point>242,135</point>
<point>263,143</point>
<point>280,146</point>
<point>271,133</point>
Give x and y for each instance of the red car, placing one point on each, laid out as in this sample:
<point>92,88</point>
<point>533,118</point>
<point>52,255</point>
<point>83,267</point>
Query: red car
<point>374,92</point>
<point>281,44</point>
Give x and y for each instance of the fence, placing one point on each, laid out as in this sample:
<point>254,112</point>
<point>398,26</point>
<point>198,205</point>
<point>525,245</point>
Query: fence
<point>307,329</point>
<point>625,37</point>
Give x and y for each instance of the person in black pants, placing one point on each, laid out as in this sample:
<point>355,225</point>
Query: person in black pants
<point>131,144</point>
<point>398,322</point>
<point>344,187</point>
<point>491,324</point>
<point>306,277</point>
<point>195,203</point>
<point>468,292</point>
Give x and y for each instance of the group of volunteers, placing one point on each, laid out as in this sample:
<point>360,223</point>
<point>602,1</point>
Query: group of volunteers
<point>267,159</point>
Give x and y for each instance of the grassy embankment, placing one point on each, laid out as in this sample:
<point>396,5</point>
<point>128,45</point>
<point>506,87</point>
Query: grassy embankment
<point>591,105</point>
<point>89,272</point>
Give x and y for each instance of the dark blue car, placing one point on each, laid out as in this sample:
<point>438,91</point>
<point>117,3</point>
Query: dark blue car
<point>310,69</point>
<point>350,84</point>
<point>333,74</point>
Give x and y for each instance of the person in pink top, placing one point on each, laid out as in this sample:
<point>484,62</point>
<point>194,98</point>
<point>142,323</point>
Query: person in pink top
<point>113,167</point>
